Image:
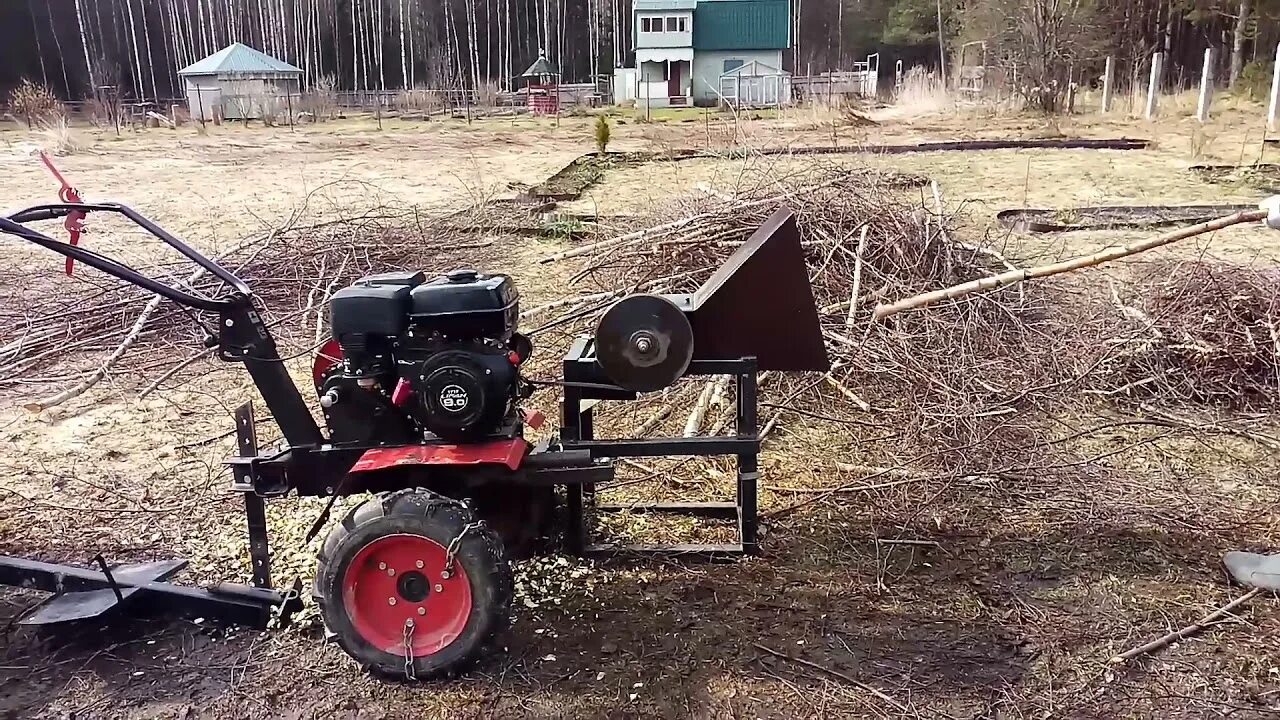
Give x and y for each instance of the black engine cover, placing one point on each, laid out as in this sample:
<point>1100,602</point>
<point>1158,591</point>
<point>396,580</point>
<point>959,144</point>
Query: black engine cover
<point>463,393</point>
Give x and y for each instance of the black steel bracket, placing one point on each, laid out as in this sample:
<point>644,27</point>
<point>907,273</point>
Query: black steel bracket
<point>585,383</point>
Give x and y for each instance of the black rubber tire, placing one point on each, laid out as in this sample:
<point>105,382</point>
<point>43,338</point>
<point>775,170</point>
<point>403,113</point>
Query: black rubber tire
<point>416,511</point>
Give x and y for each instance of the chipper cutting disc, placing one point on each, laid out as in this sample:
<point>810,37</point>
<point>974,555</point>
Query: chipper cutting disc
<point>644,343</point>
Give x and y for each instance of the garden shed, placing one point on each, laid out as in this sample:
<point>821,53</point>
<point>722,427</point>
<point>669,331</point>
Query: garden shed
<point>240,83</point>
<point>755,85</point>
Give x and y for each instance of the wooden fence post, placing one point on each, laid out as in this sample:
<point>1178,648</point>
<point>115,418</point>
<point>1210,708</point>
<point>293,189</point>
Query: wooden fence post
<point>1108,82</point>
<point>1275,93</point>
<point>1206,87</point>
<point>1153,87</point>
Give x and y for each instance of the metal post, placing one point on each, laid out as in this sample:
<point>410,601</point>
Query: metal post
<point>1275,93</point>
<point>1108,82</point>
<point>571,431</point>
<point>1153,87</point>
<point>1206,87</point>
<point>748,463</point>
<point>254,508</point>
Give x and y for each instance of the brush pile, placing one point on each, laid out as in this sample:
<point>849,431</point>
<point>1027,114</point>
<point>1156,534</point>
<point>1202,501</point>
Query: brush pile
<point>967,383</point>
<point>948,378</point>
<point>1199,332</point>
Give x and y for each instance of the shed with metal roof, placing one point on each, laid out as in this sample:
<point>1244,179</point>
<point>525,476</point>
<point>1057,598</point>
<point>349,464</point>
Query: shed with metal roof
<point>240,83</point>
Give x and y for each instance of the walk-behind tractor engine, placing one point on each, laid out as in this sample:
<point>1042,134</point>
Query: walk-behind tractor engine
<point>444,352</point>
<point>421,390</point>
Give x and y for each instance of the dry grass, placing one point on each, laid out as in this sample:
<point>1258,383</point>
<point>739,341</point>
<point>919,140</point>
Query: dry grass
<point>58,137</point>
<point>921,93</point>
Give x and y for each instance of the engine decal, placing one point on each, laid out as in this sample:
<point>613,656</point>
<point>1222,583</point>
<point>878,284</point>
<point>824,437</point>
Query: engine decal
<point>454,398</point>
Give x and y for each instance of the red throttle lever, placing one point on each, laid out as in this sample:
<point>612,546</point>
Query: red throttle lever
<point>68,194</point>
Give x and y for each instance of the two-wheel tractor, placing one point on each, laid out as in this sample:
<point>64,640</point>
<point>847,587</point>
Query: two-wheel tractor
<point>413,584</point>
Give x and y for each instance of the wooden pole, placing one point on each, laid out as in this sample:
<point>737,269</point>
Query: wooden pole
<point>1275,93</point>
<point>1188,631</point>
<point>942,50</point>
<point>1153,86</point>
<point>995,282</point>
<point>1206,87</point>
<point>1108,83</point>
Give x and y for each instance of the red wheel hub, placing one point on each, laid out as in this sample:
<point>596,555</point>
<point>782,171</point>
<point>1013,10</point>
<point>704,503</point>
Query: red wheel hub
<point>399,578</point>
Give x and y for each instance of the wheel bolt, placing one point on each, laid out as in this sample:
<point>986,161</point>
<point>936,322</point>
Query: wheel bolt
<point>421,564</point>
<point>391,572</point>
<point>382,566</point>
<point>446,575</point>
<point>422,611</point>
<point>391,601</point>
<point>439,587</point>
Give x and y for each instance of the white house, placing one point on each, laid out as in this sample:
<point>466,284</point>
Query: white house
<point>708,51</point>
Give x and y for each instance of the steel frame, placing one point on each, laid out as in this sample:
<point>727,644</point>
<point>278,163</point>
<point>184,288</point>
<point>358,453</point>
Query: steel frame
<point>585,382</point>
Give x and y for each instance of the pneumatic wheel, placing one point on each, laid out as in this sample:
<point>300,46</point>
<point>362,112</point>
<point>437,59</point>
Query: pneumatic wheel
<point>413,585</point>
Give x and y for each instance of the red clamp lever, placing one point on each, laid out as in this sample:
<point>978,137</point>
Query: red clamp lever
<point>68,194</point>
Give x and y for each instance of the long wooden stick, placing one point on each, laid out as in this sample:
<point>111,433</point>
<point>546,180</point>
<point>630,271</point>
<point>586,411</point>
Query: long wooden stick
<point>996,282</point>
<point>132,336</point>
<point>834,673</point>
<point>857,278</point>
<point>1187,631</point>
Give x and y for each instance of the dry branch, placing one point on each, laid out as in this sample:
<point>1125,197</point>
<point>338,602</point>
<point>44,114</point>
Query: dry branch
<point>1187,631</point>
<point>996,282</point>
<point>834,673</point>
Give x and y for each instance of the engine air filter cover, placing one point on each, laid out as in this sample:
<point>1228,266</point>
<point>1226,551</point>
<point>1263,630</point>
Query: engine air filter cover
<point>644,343</point>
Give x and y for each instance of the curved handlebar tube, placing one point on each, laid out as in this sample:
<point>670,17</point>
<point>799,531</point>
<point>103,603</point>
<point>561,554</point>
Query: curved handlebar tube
<point>13,225</point>
<point>242,334</point>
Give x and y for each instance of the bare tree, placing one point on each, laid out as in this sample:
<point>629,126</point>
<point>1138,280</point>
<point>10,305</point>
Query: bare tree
<point>84,44</point>
<point>35,31</point>
<point>1237,43</point>
<point>146,37</point>
<point>140,89</point>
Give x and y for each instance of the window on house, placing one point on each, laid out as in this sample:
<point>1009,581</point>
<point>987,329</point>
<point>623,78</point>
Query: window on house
<point>646,24</point>
<point>681,25</point>
<point>671,24</point>
<point>732,65</point>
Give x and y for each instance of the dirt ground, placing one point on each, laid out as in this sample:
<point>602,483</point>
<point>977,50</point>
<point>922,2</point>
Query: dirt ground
<point>992,600</point>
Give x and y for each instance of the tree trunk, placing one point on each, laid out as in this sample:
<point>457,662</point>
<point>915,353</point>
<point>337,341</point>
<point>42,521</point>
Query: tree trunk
<point>262,26</point>
<point>84,43</point>
<point>380,37</point>
<point>166,42</point>
<point>413,58</point>
<point>473,43</point>
<point>62,58</point>
<point>1237,43</point>
<point>206,42</point>
<point>35,31</point>
<point>141,89</point>
<point>488,40</point>
<point>146,37</point>
<point>355,48</point>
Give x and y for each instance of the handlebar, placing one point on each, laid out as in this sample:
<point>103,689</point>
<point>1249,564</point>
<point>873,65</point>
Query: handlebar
<point>14,225</point>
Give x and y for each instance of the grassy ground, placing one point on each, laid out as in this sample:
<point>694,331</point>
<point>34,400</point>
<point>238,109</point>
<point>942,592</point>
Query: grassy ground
<point>953,598</point>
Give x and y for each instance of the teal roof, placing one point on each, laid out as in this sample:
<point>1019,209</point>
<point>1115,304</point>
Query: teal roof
<point>237,59</point>
<point>742,25</point>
